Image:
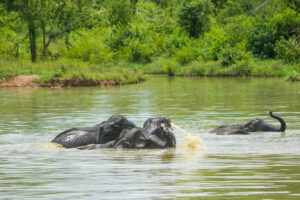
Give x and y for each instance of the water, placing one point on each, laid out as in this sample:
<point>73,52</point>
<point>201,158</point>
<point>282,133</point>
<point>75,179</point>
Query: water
<point>251,167</point>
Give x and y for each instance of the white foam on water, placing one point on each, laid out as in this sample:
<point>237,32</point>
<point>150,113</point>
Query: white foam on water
<point>191,143</point>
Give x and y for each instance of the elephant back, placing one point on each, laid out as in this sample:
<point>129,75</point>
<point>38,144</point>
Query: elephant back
<point>111,129</point>
<point>76,137</point>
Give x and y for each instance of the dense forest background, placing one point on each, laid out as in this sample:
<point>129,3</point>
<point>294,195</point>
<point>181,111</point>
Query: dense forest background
<point>164,34</point>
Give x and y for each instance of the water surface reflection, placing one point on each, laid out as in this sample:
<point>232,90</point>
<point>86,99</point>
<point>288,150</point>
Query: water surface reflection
<point>258,166</point>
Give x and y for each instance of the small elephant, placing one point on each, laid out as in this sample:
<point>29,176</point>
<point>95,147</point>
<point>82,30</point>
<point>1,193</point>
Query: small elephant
<point>255,125</point>
<point>118,132</point>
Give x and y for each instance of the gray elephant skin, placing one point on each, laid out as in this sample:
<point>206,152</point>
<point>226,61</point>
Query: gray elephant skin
<point>119,132</point>
<point>255,125</point>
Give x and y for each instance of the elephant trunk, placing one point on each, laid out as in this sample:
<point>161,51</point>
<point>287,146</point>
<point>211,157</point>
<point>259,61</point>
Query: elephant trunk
<point>281,121</point>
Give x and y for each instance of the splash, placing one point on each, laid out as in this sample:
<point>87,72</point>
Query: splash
<point>50,146</point>
<point>190,142</point>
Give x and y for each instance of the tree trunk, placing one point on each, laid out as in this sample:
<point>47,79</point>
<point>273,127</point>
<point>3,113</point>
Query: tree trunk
<point>32,40</point>
<point>45,47</point>
<point>17,48</point>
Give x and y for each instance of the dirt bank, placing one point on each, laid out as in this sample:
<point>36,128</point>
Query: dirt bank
<point>21,81</point>
<point>33,81</point>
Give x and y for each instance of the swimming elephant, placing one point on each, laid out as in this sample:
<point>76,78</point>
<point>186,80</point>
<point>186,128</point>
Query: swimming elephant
<point>155,134</point>
<point>118,132</point>
<point>255,125</point>
<point>101,133</point>
<point>158,132</point>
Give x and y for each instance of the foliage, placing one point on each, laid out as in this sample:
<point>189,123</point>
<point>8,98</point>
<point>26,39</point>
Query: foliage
<point>66,70</point>
<point>120,12</point>
<point>288,50</point>
<point>194,17</point>
<point>89,46</point>
<point>262,41</point>
<point>233,54</point>
<point>174,37</point>
<point>267,32</point>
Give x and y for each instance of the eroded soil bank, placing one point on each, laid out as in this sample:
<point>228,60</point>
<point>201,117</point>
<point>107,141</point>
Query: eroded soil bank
<point>34,81</point>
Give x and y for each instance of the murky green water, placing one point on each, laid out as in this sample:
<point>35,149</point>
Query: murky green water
<point>253,167</point>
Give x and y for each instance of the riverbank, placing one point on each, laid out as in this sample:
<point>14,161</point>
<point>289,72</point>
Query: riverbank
<point>252,68</point>
<point>65,74</point>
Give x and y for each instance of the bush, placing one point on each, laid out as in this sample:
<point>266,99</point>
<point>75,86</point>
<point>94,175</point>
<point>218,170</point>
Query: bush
<point>233,8</point>
<point>186,55</point>
<point>137,45</point>
<point>233,54</point>
<point>175,40</point>
<point>169,66</point>
<point>239,28</point>
<point>162,65</point>
<point>194,69</point>
<point>194,17</point>
<point>240,69</point>
<point>135,51</point>
<point>120,12</point>
<point>288,50</point>
<point>262,41</point>
<point>286,24</point>
<point>90,46</point>
<point>213,42</point>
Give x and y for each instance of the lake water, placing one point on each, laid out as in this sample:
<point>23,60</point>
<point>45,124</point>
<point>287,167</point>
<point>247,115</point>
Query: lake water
<point>251,167</point>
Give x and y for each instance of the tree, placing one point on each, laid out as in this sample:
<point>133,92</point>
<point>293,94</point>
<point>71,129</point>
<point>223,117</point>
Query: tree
<point>27,11</point>
<point>194,17</point>
<point>59,18</point>
<point>54,19</point>
<point>120,12</point>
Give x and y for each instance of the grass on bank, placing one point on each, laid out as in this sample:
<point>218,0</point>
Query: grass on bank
<point>252,68</point>
<point>65,71</point>
<point>76,73</point>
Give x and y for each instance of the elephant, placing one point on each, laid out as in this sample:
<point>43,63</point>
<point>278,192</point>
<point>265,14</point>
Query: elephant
<point>158,132</point>
<point>155,134</point>
<point>101,133</point>
<point>255,125</point>
<point>118,132</point>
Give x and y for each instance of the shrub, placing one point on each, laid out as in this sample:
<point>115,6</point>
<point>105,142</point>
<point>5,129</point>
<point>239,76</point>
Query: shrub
<point>175,40</point>
<point>239,28</point>
<point>135,51</point>
<point>213,42</point>
<point>262,41</point>
<point>194,17</point>
<point>233,54</point>
<point>286,24</point>
<point>169,66</point>
<point>90,46</point>
<point>120,12</point>
<point>288,50</point>
<point>186,55</point>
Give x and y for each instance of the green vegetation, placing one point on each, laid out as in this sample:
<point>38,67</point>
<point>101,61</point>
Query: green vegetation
<point>84,38</point>
<point>66,73</point>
